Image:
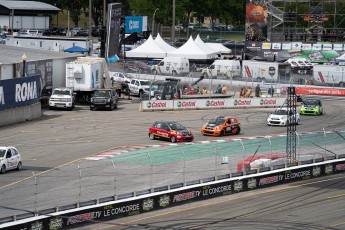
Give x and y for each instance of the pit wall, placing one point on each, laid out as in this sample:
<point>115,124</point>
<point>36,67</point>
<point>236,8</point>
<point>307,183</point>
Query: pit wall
<point>20,114</point>
<point>209,103</point>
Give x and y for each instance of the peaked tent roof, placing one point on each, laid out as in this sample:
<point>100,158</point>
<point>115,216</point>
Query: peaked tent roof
<point>163,44</point>
<point>204,46</point>
<point>219,47</point>
<point>192,51</point>
<point>148,49</point>
<point>76,49</point>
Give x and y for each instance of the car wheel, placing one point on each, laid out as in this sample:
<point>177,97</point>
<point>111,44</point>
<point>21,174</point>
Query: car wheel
<point>154,72</point>
<point>238,130</point>
<point>19,166</point>
<point>140,93</point>
<point>174,73</point>
<point>3,169</point>
<point>151,136</point>
<point>222,133</point>
<point>173,139</point>
<point>91,108</point>
<point>115,106</point>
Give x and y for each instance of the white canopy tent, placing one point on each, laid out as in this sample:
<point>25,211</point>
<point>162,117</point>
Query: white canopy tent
<point>191,50</point>
<point>163,44</point>
<point>149,49</point>
<point>219,47</point>
<point>204,46</point>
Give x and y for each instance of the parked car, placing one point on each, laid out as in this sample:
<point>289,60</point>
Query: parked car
<point>283,117</point>
<point>135,66</point>
<point>170,130</point>
<point>62,98</point>
<point>10,159</point>
<point>221,126</point>
<point>180,42</point>
<point>104,99</point>
<point>83,33</point>
<point>58,31</point>
<point>46,32</point>
<point>76,30</point>
<point>311,107</point>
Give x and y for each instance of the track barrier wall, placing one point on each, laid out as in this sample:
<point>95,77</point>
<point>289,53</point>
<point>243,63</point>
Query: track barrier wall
<point>214,187</point>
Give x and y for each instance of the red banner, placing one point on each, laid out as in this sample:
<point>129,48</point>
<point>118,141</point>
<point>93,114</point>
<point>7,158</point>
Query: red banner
<point>320,91</point>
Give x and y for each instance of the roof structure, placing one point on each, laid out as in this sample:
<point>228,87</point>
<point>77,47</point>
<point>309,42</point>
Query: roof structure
<point>149,49</point>
<point>163,44</point>
<point>13,54</point>
<point>26,8</point>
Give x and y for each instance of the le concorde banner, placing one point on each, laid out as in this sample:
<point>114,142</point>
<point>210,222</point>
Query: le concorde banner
<point>19,92</point>
<point>113,29</point>
<point>320,91</point>
<point>117,210</point>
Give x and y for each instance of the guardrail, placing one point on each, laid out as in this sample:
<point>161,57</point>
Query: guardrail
<point>178,194</point>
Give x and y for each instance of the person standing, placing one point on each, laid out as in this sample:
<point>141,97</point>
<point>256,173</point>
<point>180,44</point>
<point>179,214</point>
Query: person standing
<point>224,89</point>
<point>271,91</point>
<point>257,91</point>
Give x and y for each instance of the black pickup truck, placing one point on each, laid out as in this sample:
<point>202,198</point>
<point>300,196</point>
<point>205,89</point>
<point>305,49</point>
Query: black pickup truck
<point>104,99</point>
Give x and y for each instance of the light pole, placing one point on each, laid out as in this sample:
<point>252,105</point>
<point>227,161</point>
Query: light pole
<point>153,21</point>
<point>24,59</point>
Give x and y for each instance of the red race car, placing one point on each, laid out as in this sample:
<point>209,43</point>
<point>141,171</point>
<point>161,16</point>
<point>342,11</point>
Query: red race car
<point>170,130</point>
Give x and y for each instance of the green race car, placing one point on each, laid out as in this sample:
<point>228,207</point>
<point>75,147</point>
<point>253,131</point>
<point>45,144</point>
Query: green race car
<point>311,107</point>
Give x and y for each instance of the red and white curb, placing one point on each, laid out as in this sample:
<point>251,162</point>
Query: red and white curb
<point>115,152</point>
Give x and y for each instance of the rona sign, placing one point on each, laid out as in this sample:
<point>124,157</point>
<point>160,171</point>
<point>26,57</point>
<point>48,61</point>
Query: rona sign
<point>19,92</point>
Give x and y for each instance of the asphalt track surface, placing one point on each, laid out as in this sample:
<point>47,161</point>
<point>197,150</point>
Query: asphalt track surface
<point>313,204</point>
<point>60,140</point>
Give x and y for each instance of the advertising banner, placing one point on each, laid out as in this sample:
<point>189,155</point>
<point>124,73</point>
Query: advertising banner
<point>41,68</point>
<point>256,20</point>
<point>113,29</point>
<point>19,92</point>
<point>157,105</point>
<point>136,24</point>
<point>320,91</point>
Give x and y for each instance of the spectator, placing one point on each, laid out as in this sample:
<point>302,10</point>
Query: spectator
<point>204,91</point>
<point>249,92</point>
<point>257,91</point>
<point>197,90</point>
<point>224,89</point>
<point>219,89</point>
<point>271,91</point>
<point>243,92</point>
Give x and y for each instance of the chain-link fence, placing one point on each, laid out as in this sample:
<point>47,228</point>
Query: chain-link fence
<point>121,173</point>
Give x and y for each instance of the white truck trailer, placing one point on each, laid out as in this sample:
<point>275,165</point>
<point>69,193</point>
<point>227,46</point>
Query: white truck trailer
<point>225,68</point>
<point>266,71</point>
<point>329,74</point>
<point>85,75</point>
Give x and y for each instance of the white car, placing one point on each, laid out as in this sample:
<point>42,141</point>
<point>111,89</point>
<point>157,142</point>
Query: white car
<point>280,117</point>
<point>121,77</point>
<point>9,159</point>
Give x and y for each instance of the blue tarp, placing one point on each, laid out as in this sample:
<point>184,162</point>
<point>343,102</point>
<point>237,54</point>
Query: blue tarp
<point>76,49</point>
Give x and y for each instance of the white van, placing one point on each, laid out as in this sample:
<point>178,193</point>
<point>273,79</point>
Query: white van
<point>225,68</point>
<point>32,33</point>
<point>172,66</point>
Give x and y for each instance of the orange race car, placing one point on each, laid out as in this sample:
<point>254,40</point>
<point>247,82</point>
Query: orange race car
<point>221,125</point>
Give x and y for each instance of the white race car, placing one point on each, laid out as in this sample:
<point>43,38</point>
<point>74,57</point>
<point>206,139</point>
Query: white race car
<point>280,117</point>
<point>9,159</point>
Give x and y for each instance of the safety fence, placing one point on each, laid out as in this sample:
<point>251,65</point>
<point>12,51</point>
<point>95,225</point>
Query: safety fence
<point>126,172</point>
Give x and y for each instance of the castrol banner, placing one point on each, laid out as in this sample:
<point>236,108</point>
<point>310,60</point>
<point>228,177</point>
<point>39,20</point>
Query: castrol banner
<point>320,91</point>
<point>211,103</point>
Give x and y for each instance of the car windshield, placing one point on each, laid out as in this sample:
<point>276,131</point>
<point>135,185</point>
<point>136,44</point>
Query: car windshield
<point>280,112</point>
<point>61,92</point>
<point>176,126</point>
<point>102,93</point>
<point>2,152</point>
<point>144,83</point>
<point>128,75</point>
<point>217,120</point>
<point>311,102</point>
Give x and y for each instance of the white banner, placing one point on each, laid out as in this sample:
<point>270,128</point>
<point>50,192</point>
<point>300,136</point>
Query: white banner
<point>216,103</point>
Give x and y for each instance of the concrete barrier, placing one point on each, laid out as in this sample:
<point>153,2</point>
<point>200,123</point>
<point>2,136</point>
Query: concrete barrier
<point>20,114</point>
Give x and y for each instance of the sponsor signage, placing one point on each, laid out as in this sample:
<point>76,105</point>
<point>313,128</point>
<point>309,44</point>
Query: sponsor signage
<point>158,105</point>
<point>320,91</point>
<point>19,92</point>
<point>118,209</point>
<point>136,24</point>
<point>113,29</point>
